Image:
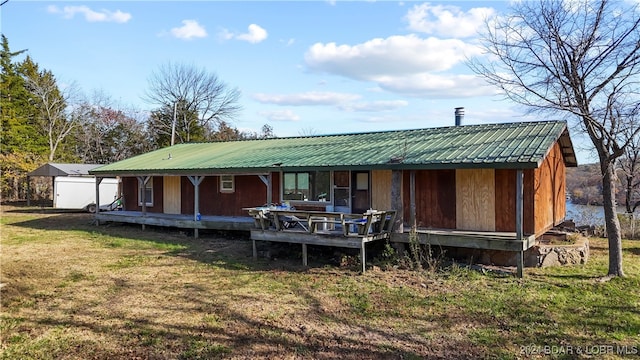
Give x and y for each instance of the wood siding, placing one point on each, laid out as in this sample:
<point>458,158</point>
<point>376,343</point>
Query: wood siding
<point>249,191</point>
<point>130,193</point>
<point>549,191</point>
<point>171,194</point>
<point>435,198</point>
<point>475,199</point>
<point>381,189</point>
<point>506,201</point>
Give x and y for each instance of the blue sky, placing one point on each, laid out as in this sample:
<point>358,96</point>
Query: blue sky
<point>303,67</point>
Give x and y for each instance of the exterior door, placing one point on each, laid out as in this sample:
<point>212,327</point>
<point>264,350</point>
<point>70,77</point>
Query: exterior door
<point>171,195</point>
<point>360,191</point>
<point>341,192</point>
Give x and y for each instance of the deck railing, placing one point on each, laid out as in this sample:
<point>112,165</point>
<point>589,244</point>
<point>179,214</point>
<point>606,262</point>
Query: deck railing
<point>283,219</point>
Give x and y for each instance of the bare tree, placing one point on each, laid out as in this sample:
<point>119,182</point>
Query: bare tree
<point>51,103</point>
<point>194,91</point>
<point>578,58</point>
<point>629,165</point>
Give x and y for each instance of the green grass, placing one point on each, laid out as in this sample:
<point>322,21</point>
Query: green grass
<point>73,290</point>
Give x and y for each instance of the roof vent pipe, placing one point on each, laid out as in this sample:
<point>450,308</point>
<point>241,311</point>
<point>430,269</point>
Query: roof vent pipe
<point>459,115</point>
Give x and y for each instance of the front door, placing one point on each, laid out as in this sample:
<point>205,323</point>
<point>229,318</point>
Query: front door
<point>360,193</point>
<point>171,195</point>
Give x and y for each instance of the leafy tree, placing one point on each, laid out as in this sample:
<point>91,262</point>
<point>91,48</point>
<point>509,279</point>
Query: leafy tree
<point>21,145</point>
<point>106,135</point>
<point>578,58</point>
<point>19,130</point>
<point>191,92</point>
<point>226,133</point>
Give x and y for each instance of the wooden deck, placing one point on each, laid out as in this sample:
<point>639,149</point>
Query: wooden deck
<point>469,239</point>
<point>320,228</point>
<point>244,223</point>
<point>323,228</point>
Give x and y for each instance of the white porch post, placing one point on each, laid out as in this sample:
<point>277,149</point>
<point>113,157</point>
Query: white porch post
<point>98,181</point>
<point>196,181</point>
<point>142,187</point>
<point>269,183</point>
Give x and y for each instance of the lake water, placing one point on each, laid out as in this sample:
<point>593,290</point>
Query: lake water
<point>588,214</point>
<point>585,214</point>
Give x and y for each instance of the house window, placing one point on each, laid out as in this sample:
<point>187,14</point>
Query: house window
<point>227,183</point>
<point>307,186</point>
<point>148,193</point>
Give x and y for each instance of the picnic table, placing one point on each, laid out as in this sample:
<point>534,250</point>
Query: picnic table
<point>282,224</point>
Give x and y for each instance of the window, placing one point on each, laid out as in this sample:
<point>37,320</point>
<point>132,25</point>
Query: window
<point>148,193</point>
<point>226,183</point>
<point>307,186</point>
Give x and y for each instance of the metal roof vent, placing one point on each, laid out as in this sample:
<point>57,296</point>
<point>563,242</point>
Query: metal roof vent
<point>459,115</point>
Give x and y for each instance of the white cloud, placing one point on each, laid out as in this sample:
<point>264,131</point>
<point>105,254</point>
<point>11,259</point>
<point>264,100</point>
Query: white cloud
<point>190,29</point>
<point>447,20</point>
<point>308,98</point>
<point>280,115</point>
<point>397,55</point>
<point>437,86</point>
<point>255,34</point>
<point>383,105</point>
<point>68,12</point>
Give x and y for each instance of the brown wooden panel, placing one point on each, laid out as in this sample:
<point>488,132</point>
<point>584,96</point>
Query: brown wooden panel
<point>187,195</point>
<point>130,193</point>
<point>506,200</point>
<point>381,189</point>
<point>341,178</point>
<point>171,194</point>
<point>475,199</point>
<point>441,208</point>
<point>528,221</point>
<point>435,198</point>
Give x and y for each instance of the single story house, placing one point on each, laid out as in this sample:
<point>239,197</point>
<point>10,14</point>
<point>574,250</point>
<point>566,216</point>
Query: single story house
<point>505,182</point>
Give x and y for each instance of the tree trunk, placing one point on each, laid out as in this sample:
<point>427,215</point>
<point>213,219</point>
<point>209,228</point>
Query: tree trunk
<point>611,220</point>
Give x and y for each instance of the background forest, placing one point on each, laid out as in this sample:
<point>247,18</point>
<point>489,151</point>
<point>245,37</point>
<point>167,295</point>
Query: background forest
<point>45,121</point>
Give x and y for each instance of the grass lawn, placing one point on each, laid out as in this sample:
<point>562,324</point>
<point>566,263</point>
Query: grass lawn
<point>72,290</point>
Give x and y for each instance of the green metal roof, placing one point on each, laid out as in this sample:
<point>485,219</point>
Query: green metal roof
<point>519,145</point>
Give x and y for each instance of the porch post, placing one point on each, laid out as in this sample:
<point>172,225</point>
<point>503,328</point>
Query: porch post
<point>142,182</point>
<point>29,190</point>
<point>396,199</point>
<point>412,195</point>
<point>196,181</point>
<point>269,189</point>
<point>519,219</point>
<point>267,181</point>
<point>98,181</point>
<point>396,204</point>
<point>305,262</point>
